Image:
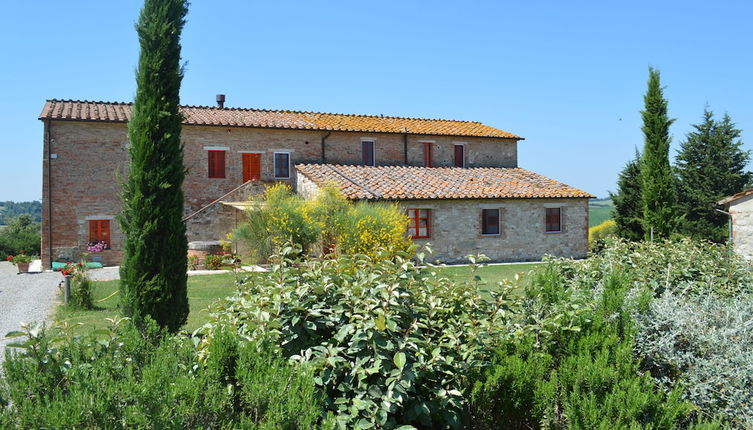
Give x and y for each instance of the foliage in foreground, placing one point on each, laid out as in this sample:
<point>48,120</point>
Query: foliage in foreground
<point>599,232</point>
<point>126,378</point>
<point>582,378</point>
<point>390,344</point>
<point>327,224</point>
<point>153,270</point>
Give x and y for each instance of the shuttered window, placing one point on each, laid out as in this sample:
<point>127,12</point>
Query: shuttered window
<point>99,231</point>
<point>419,224</point>
<point>367,150</point>
<point>490,221</point>
<point>459,155</point>
<point>216,164</point>
<point>427,154</point>
<point>553,220</point>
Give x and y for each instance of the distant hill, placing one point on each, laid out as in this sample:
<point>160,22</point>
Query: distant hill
<point>599,210</point>
<point>9,210</point>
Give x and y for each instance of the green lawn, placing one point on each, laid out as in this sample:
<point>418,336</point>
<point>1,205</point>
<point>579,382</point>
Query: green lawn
<point>599,210</point>
<point>203,290</point>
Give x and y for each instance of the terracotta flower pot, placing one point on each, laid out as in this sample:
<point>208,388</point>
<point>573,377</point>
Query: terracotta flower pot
<point>23,267</point>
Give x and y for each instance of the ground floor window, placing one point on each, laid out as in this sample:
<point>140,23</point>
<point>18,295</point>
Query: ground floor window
<point>99,233</point>
<point>419,226</point>
<point>216,166</point>
<point>553,220</point>
<point>490,221</point>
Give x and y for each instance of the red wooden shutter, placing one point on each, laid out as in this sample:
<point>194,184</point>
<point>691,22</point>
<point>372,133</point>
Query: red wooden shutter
<point>367,149</point>
<point>459,156</point>
<point>427,154</point>
<point>216,164</point>
<point>553,219</point>
<point>251,167</point>
<point>99,231</point>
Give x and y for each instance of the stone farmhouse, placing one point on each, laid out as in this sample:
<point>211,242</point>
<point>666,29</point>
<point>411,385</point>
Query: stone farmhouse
<point>740,212</point>
<point>458,181</point>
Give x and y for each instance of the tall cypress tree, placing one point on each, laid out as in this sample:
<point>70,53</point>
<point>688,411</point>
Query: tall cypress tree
<point>153,270</point>
<point>658,193</point>
<point>628,203</point>
<point>710,165</point>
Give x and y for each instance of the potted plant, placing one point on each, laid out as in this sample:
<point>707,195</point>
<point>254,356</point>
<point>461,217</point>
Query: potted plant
<point>21,260</point>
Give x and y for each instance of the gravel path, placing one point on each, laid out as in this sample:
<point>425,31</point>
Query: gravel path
<point>25,298</point>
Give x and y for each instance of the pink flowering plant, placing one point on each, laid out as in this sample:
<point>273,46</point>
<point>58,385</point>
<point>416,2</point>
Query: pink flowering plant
<point>97,246</point>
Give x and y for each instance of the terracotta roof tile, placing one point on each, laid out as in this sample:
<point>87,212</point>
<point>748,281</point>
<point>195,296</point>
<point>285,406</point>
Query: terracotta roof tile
<point>76,110</point>
<point>732,198</point>
<point>416,183</point>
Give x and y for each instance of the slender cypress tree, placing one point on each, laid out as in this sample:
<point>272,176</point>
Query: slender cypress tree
<point>628,203</point>
<point>153,271</point>
<point>658,192</point>
<point>710,165</point>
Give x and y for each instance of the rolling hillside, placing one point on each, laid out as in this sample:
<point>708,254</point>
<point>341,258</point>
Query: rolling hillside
<point>599,210</point>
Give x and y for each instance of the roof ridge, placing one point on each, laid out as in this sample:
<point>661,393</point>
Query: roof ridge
<point>251,109</point>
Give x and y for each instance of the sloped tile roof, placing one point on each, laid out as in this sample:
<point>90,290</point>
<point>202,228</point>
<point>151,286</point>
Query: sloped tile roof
<point>418,183</point>
<point>732,198</point>
<point>75,110</point>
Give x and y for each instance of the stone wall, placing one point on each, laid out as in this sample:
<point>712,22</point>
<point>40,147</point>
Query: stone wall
<point>89,164</point>
<point>456,229</point>
<point>742,226</point>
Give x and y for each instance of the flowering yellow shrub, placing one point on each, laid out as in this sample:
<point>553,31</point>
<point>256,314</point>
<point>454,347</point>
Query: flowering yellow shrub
<point>605,229</point>
<point>337,225</point>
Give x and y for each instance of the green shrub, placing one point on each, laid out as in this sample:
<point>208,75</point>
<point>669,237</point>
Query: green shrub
<point>329,221</point>
<point>81,291</point>
<point>193,262</point>
<point>581,374</point>
<point>21,234</point>
<point>213,262</point>
<point>389,343</point>
<point>128,379</point>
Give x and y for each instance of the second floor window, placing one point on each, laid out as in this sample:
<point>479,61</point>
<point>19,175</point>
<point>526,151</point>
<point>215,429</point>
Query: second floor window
<point>367,150</point>
<point>427,154</point>
<point>216,164</point>
<point>490,221</point>
<point>418,226</point>
<point>282,165</point>
<point>459,155</point>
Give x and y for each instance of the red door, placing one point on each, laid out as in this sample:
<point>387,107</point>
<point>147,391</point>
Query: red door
<point>251,167</point>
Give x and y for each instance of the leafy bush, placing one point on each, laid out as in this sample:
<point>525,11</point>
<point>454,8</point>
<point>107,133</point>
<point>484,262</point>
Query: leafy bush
<point>81,291</point>
<point>681,265</point>
<point>389,343</point>
<point>193,262</point>
<point>702,342</point>
<point>21,234</point>
<point>280,217</point>
<point>579,372</point>
<point>213,262</point>
<point>126,379</point>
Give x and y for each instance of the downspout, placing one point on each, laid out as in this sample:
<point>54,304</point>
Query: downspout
<point>324,155</point>
<point>405,148</point>
<point>48,132</point>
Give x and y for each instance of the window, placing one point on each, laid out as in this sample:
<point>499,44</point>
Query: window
<point>99,231</point>
<point>459,155</point>
<point>553,220</point>
<point>251,167</point>
<point>427,154</point>
<point>282,165</point>
<point>418,227</point>
<point>216,164</point>
<point>367,148</point>
<point>490,221</point>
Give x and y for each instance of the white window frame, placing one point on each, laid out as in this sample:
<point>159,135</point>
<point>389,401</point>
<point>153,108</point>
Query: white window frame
<point>274,164</point>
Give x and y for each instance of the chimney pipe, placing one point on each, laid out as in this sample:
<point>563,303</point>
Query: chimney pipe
<point>220,101</point>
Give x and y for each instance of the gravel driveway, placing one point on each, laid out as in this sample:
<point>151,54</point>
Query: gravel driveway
<point>25,298</point>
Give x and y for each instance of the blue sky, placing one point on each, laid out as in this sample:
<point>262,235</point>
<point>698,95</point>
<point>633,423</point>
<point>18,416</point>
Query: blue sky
<point>567,76</point>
